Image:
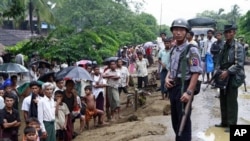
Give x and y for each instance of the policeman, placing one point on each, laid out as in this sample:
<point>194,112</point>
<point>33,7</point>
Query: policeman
<point>179,30</point>
<point>231,62</point>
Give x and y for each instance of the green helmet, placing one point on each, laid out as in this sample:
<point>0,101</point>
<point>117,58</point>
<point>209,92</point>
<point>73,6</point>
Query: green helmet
<point>180,23</point>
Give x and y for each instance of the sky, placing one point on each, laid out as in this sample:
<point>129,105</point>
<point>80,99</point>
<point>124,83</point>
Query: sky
<point>187,9</point>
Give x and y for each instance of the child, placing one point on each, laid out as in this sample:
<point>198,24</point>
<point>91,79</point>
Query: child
<point>30,134</point>
<point>62,113</point>
<point>91,107</point>
<point>33,122</point>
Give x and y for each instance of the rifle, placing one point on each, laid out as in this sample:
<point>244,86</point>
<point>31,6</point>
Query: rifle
<point>185,115</point>
<point>216,74</point>
<point>245,85</point>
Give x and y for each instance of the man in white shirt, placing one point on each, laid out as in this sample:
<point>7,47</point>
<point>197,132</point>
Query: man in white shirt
<point>29,105</point>
<point>142,71</point>
<point>59,86</point>
<point>207,51</point>
<point>46,112</point>
<point>190,40</point>
<point>124,80</point>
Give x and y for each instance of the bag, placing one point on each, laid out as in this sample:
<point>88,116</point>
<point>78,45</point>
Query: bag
<point>238,79</point>
<point>209,63</point>
<point>197,87</point>
<point>220,83</point>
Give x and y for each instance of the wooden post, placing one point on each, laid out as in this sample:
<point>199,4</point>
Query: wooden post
<point>136,99</point>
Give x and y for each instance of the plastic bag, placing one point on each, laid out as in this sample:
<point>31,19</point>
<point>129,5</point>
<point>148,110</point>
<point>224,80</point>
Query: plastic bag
<point>209,63</point>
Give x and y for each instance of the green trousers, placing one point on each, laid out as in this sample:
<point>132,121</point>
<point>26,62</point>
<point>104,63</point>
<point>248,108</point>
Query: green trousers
<point>229,105</point>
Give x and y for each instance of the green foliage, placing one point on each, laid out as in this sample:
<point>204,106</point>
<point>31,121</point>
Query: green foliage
<point>244,26</point>
<point>221,17</point>
<point>91,29</point>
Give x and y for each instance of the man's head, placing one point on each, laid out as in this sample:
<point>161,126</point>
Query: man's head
<point>196,37</point>
<point>70,84</point>
<point>88,90</point>
<point>210,34</point>
<point>60,83</point>
<point>218,36</point>
<point>35,87</point>
<point>13,79</point>
<point>179,29</point>
<point>89,68</point>
<point>96,70</point>
<point>167,43</point>
<point>48,89</point>
<point>229,32</point>
<point>9,100</point>
<point>202,36</point>
<point>112,65</point>
<point>163,35</point>
<point>119,63</point>
<point>190,35</point>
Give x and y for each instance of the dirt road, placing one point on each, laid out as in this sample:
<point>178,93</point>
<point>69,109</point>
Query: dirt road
<point>153,126</point>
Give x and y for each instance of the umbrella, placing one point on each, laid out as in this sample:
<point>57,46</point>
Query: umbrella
<point>45,77</point>
<point>107,60</point>
<point>84,62</point>
<point>12,68</point>
<point>202,22</point>
<point>22,88</point>
<point>39,63</point>
<point>148,44</point>
<point>75,73</point>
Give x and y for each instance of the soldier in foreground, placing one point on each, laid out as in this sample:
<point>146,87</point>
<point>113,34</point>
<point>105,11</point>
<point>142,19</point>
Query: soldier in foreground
<point>181,93</point>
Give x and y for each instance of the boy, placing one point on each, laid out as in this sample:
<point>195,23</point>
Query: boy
<point>62,113</point>
<point>91,107</point>
<point>33,122</point>
<point>30,134</point>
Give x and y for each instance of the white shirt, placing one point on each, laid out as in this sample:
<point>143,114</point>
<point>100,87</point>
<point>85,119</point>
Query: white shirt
<point>63,110</point>
<point>1,102</point>
<point>141,67</point>
<point>97,91</point>
<point>207,46</point>
<point>123,77</point>
<point>46,111</point>
<point>27,101</point>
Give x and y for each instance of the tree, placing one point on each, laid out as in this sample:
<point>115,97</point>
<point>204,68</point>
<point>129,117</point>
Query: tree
<point>244,26</point>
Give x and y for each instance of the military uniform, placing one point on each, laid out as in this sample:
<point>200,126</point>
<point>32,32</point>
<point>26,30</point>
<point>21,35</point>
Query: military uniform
<point>193,66</point>
<point>228,96</point>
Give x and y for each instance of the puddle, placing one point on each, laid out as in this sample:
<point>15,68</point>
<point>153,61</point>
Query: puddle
<point>213,134</point>
<point>245,96</point>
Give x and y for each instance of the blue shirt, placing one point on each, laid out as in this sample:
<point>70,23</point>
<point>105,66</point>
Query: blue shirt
<point>165,57</point>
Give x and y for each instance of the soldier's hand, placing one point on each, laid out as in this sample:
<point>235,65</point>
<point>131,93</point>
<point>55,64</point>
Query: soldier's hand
<point>185,97</point>
<point>169,82</point>
<point>224,75</point>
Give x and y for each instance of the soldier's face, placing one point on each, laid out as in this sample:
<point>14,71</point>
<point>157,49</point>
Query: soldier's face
<point>229,35</point>
<point>179,33</point>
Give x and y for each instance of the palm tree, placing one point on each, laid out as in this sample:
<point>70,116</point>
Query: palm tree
<point>235,13</point>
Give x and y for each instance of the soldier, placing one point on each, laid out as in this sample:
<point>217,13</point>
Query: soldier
<point>231,62</point>
<point>178,97</point>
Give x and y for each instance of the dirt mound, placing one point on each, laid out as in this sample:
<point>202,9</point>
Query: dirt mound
<point>123,132</point>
